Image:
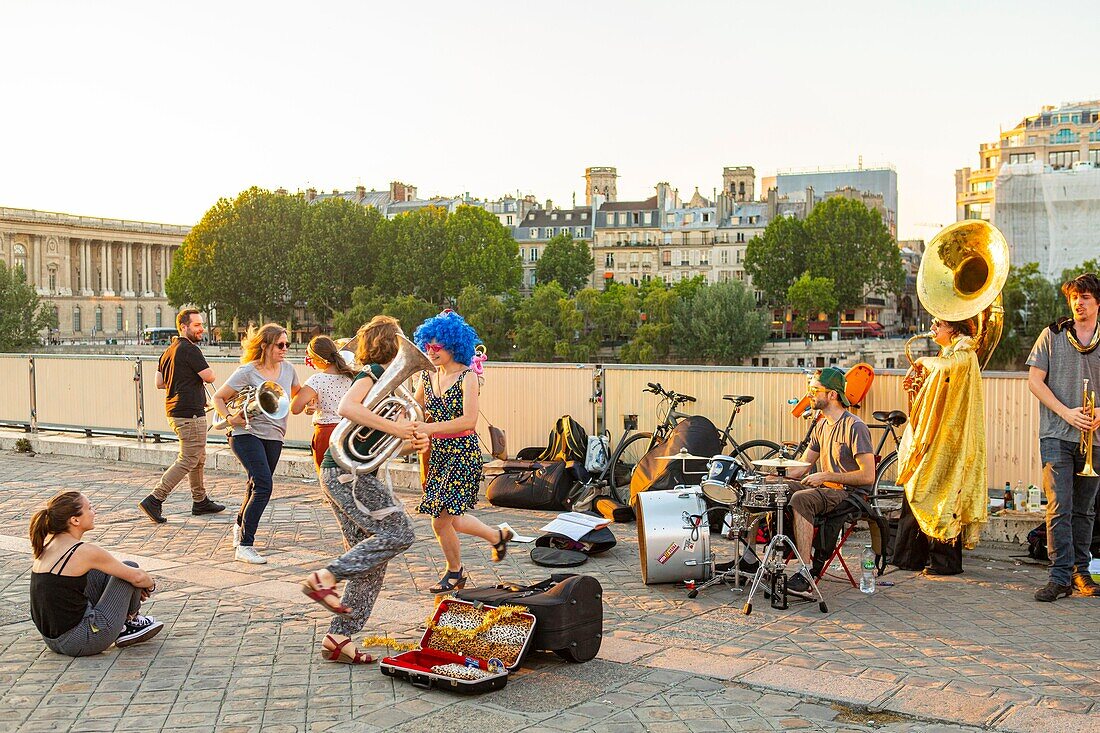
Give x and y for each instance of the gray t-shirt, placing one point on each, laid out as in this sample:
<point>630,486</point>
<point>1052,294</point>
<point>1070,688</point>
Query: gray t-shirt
<point>1066,369</point>
<point>843,441</point>
<point>261,425</point>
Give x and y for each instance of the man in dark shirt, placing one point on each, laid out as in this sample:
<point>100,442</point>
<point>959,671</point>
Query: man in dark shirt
<point>183,371</point>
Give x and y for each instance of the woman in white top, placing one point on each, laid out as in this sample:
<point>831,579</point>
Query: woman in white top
<point>322,392</point>
<point>259,443</point>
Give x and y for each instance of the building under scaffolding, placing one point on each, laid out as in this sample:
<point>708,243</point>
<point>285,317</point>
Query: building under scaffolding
<point>1051,217</point>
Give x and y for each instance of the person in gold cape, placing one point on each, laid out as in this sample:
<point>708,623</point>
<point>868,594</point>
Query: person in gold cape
<point>941,459</point>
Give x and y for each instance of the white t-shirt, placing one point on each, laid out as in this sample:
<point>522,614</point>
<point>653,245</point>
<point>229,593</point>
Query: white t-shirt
<point>330,389</point>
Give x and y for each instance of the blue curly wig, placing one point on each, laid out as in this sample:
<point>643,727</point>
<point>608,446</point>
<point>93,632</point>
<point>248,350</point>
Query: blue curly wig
<point>452,332</point>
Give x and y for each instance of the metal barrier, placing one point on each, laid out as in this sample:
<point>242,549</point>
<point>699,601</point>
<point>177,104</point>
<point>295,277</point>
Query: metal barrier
<point>90,394</point>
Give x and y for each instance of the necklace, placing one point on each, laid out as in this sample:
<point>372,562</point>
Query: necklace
<point>1071,334</point>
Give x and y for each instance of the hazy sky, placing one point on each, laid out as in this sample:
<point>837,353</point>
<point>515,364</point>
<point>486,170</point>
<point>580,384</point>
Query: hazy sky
<point>154,110</point>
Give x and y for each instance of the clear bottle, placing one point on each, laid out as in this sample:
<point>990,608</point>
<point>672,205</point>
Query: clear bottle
<point>1019,497</point>
<point>1010,503</point>
<point>867,565</point>
<point>1034,498</point>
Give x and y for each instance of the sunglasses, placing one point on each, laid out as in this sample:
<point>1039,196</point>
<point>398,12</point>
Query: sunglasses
<point>433,348</point>
<point>282,345</point>
<point>816,390</point>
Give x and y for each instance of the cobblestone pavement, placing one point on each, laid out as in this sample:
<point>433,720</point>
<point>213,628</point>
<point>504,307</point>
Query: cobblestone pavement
<point>240,649</point>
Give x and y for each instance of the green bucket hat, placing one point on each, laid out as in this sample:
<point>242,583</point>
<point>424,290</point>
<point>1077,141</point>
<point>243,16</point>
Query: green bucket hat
<point>833,378</point>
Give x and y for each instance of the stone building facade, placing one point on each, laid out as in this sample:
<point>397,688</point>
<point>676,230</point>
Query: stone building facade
<point>103,277</point>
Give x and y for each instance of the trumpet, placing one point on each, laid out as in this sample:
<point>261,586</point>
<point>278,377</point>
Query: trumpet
<point>1088,405</point>
<point>269,399</point>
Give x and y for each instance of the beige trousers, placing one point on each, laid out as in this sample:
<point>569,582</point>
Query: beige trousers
<point>190,461</point>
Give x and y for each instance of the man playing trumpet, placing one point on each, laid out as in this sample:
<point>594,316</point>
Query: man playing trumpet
<point>1064,356</point>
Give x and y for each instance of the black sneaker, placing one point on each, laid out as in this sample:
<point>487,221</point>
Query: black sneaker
<point>151,505</point>
<point>1085,585</point>
<point>207,506</point>
<point>1052,591</point>
<point>142,628</point>
<point>798,584</point>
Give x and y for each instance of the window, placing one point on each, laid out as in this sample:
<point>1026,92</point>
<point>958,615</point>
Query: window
<point>609,260</point>
<point>976,211</point>
<point>534,255</point>
<point>581,232</point>
<point>739,253</point>
<point>20,253</point>
<point>53,279</point>
<point>683,258</point>
<point>666,257</point>
<point>1064,158</point>
<point>534,231</point>
<point>1013,158</point>
<point>635,218</point>
<point>139,316</point>
<point>724,257</point>
<point>118,319</point>
<point>647,218</point>
<point>160,318</point>
<point>706,217</point>
<point>98,319</point>
<point>670,218</point>
<point>982,186</point>
<point>889,362</point>
<point>509,218</point>
<point>849,315</point>
<point>139,288</point>
<point>622,218</point>
<point>76,319</point>
<point>533,281</point>
<point>522,253</point>
<point>1094,156</point>
<point>740,237</point>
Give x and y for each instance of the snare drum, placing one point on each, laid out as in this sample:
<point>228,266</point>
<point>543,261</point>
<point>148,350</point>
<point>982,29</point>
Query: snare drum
<point>722,484</point>
<point>672,549</point>
<point>764,495</point>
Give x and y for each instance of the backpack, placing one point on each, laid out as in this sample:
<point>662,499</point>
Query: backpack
<point>568,441</point>
<point>1037,543</point>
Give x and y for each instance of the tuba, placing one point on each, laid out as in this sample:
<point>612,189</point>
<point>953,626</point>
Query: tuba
<point>961,275</point>
<point>268,399</point>
<point>390,400</point>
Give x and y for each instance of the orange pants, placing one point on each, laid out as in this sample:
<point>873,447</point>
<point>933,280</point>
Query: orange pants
<point>319,444</point>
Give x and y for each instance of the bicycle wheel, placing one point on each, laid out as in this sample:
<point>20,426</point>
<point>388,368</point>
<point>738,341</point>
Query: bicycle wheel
<point>755,450</point>
<point>887,494</point>
<point>623,462</point>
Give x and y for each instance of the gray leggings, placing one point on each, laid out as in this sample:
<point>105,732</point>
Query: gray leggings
<point>370,542</point>
<point>111,601</point>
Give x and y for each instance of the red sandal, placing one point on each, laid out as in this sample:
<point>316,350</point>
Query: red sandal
<point>337,654</point>
<point>319,594</point>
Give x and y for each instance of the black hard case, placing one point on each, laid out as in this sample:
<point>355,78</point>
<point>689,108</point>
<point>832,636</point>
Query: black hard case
<point>568,609</point>
<point>415,666</point>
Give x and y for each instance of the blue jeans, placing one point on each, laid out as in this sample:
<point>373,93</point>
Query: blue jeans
<point>1071,505</point>
<point>259,458</point>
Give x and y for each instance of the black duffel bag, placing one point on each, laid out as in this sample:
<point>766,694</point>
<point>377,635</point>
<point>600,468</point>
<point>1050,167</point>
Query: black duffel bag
<point>568,612</point>
<point>546,487</point>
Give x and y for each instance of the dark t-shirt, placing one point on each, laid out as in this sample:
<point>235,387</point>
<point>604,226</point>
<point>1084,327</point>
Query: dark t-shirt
<point>180,365</point>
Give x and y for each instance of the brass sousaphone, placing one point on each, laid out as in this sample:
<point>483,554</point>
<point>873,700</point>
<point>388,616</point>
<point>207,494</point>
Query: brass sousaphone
<point>961,276</point>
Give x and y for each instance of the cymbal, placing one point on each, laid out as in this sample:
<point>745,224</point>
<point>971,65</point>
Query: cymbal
<point>780,463</point>
<point>683,455</point>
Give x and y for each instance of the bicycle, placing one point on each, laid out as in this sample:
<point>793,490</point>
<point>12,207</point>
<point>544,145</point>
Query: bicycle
<point>633,446</point>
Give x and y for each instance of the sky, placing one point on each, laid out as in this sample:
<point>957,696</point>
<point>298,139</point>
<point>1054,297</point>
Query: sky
<point>154,110</point>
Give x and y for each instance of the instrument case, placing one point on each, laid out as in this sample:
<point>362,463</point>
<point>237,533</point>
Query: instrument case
<point>569,609</point>
<point>416,666</point>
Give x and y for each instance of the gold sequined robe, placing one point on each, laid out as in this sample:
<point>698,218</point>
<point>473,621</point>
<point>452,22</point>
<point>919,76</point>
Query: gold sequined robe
<point>941,459</point>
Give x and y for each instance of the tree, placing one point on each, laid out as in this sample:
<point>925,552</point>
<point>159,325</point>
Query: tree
<point>566,260</point>
<point>410,311</point>
<point>721,324</point>
<point>338,251</point>
<point>810,296</point>
<point>778,257</point>
<point>1068,274</point>
<point>491,317</point>
<point>410,263</point>
<point>366,303</point>
<point>23,315</point>
<point>480,251</point>
<point>850,244</point>
<point>652,341</point>
<point>548,325</point>
<point>1031,303</point>
<point>238,257</point>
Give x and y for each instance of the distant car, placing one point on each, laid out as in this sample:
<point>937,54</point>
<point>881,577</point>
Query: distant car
<point>158,336</point>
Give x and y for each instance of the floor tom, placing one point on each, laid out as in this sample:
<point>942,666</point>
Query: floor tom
<point>672,547</point>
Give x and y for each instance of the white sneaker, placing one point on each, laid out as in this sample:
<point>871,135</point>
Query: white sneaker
<point>236,535</point>
<point>249,555</point>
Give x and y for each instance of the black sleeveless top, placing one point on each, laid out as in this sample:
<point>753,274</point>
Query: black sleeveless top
<point>58,602</point>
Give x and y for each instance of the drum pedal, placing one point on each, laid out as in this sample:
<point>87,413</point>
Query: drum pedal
<point>779,591</point>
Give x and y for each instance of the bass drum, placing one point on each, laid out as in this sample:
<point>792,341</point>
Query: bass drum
<point>671,547</point>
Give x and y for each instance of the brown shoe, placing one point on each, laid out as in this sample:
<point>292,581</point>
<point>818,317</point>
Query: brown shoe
<point>1085,585</point>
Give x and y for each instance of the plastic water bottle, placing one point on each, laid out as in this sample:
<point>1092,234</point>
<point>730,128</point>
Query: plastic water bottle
<point>1019,497</point>
<point>867,563</point>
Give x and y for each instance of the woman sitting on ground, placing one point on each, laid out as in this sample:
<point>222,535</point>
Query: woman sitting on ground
<point>82,598</point>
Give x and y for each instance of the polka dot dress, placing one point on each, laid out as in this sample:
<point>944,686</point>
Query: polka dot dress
<point>454,468</point>
<point>330,389</point>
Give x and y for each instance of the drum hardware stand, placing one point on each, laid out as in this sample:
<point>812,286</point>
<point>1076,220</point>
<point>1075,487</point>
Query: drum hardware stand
<point>735,574</point>
<point>771,562</point>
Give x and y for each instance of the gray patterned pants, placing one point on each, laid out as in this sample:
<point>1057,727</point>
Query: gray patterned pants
<point>370,542</point>
<point>111,601</point>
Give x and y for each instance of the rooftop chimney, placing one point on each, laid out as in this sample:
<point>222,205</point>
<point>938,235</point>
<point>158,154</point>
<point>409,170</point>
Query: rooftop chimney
<point>311,193</point>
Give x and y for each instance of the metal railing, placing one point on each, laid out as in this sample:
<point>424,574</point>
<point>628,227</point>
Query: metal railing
<point>116,395</point>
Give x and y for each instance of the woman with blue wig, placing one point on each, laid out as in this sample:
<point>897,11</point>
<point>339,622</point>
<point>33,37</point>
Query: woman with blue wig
<point>450,400</point>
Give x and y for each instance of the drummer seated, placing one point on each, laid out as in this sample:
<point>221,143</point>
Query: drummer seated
<point>841,446</point>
